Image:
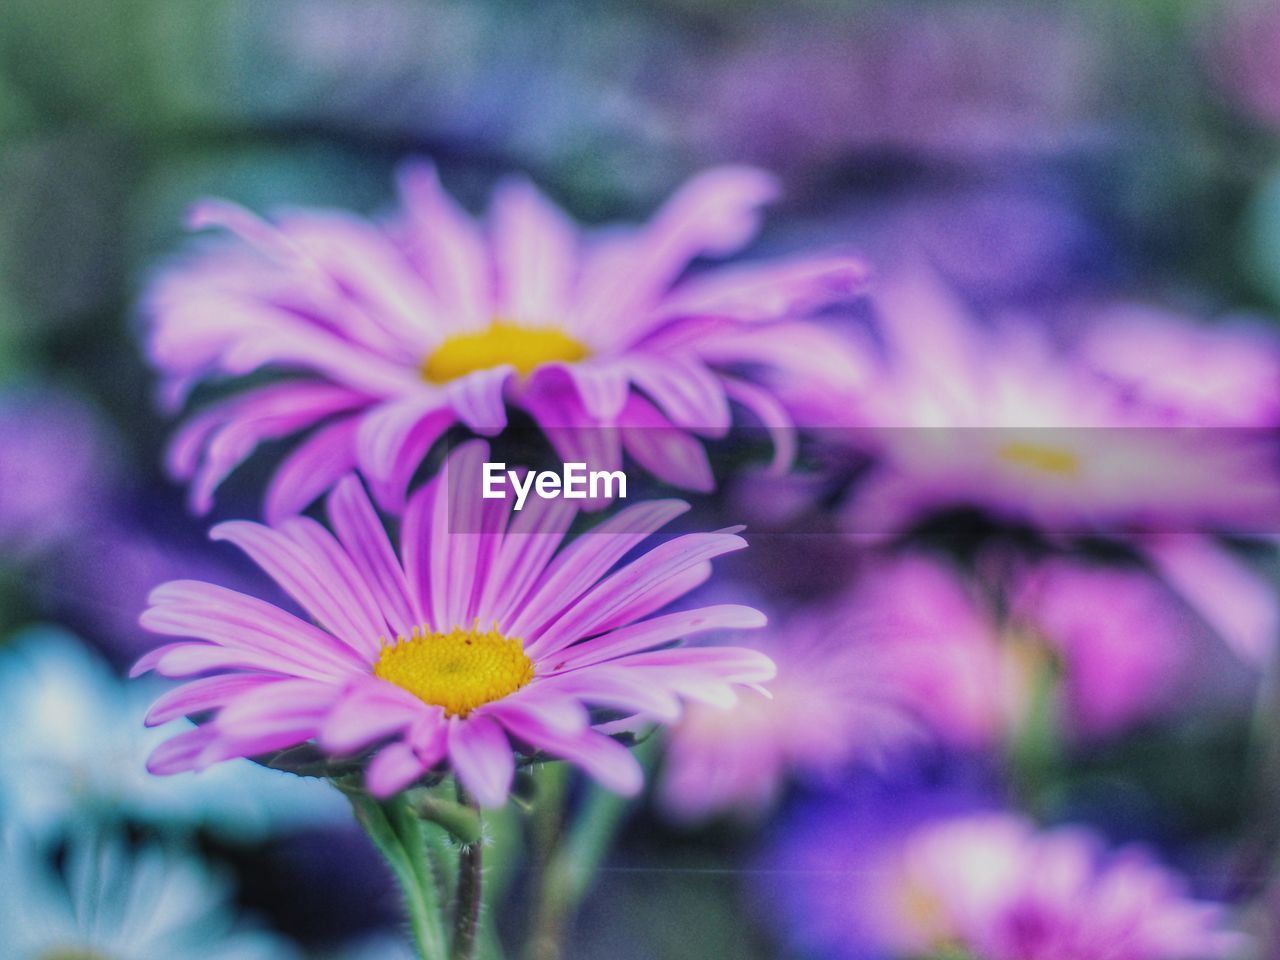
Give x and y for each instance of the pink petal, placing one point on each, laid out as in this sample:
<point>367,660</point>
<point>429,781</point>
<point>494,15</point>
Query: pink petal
<point>553,402</point>
<point>214,444</point>
<point>563,713</point>
<point>1239,604</point>
<point>285,703</point>
<point>365,542</point>
<point>323,546</point>
<point>395,438</point>
<point>631,584</point>
<point>652,633</point>
<point>535,248</point>
<point>612,687</point>
<point>189,608</point>
<point>482,758</point>
<point>535,534</point>
<point>667,452</point>
<point>713,214</point>
<point>286,407</point>
<point>605,760</point>
<point>311,469</point>
<point>478,398</point>
<point>601,385</point>
<point>179,754</point>
<point>772,414</point>
<point>394,768</point>
<point>447,247</point>
<point>368,711</point>
<point>772,290</point>
<point>323,591</point>
<point>590,557</point>
<point>687,393</point>
<point>198,696</point>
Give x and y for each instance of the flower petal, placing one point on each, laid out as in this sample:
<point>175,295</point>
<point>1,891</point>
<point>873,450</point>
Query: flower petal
<point>482,758</point>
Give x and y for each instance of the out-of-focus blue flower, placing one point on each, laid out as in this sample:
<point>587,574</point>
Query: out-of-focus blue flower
<point>108,900</point>
<point>74,744</point>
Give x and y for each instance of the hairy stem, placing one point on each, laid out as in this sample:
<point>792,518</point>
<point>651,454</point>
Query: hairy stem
<point>470,891</point>
<point>397,833</point>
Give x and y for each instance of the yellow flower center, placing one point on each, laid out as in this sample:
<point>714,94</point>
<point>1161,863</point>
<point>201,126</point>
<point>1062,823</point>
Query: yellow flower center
<point>459,670</point>
<point>525,348</point>
<point>1040,457</point>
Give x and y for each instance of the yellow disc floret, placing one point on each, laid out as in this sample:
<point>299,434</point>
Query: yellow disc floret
<point>1041,457</point>
<point>525,348</point>
<point>459,670</point>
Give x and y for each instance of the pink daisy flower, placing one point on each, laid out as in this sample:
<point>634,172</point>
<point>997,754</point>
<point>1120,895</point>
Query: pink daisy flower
<point>992,885</point>
<point>1069,438</point>
<point>1122,638</point>
<point>907,655</point>
<point>904,881</point>
<point>829,707</point>
<point>467,649</point>
<point>393,332</point>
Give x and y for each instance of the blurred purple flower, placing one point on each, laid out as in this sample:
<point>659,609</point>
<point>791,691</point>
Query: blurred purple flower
<point>1123,639</point>
<point>927,80</point>
<point>829,707</point>
<point>1006,419</point>
<point>56,465</point>
<point>1224,375</point>
<point>918,882</point>
<point>907,655</point>
<point>401,330</point>
<point>1000,243</point>
<point>105,583</point>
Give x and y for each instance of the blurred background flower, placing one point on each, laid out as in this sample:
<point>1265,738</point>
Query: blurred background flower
<point>105,898</point>
<point>76,749</point>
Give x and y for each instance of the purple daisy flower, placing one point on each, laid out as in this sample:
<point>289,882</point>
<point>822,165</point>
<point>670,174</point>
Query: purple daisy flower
<point>911,881</point>
<point>1124,640</point>
<point>393,332</point>
<point>906,655</point>
<point>484,632</point>
<point>1069,438</point>
<point>831,705</point>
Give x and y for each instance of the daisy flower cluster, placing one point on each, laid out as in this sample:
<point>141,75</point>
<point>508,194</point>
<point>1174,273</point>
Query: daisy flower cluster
<point>439,653</point>
<point>929,352</point>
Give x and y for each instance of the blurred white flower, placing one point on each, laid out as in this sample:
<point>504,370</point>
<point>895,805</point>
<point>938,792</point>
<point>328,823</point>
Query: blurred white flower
<point>74,745</point>
<point>110,901</point>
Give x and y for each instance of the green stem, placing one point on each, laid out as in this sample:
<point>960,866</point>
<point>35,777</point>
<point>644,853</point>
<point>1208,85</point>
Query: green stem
<point>397,833</point>
<point>470,889</point>
<point>574,862</point>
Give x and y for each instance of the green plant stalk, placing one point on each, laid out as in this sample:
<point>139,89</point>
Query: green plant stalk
<point>470,886</point>
<point>397,833</point>
<point>574,861</point>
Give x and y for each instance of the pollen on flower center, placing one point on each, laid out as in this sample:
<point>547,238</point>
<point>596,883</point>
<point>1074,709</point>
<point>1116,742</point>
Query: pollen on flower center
<point>525,348</point>
<point>459,670</point>
<point>1042,457</point>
